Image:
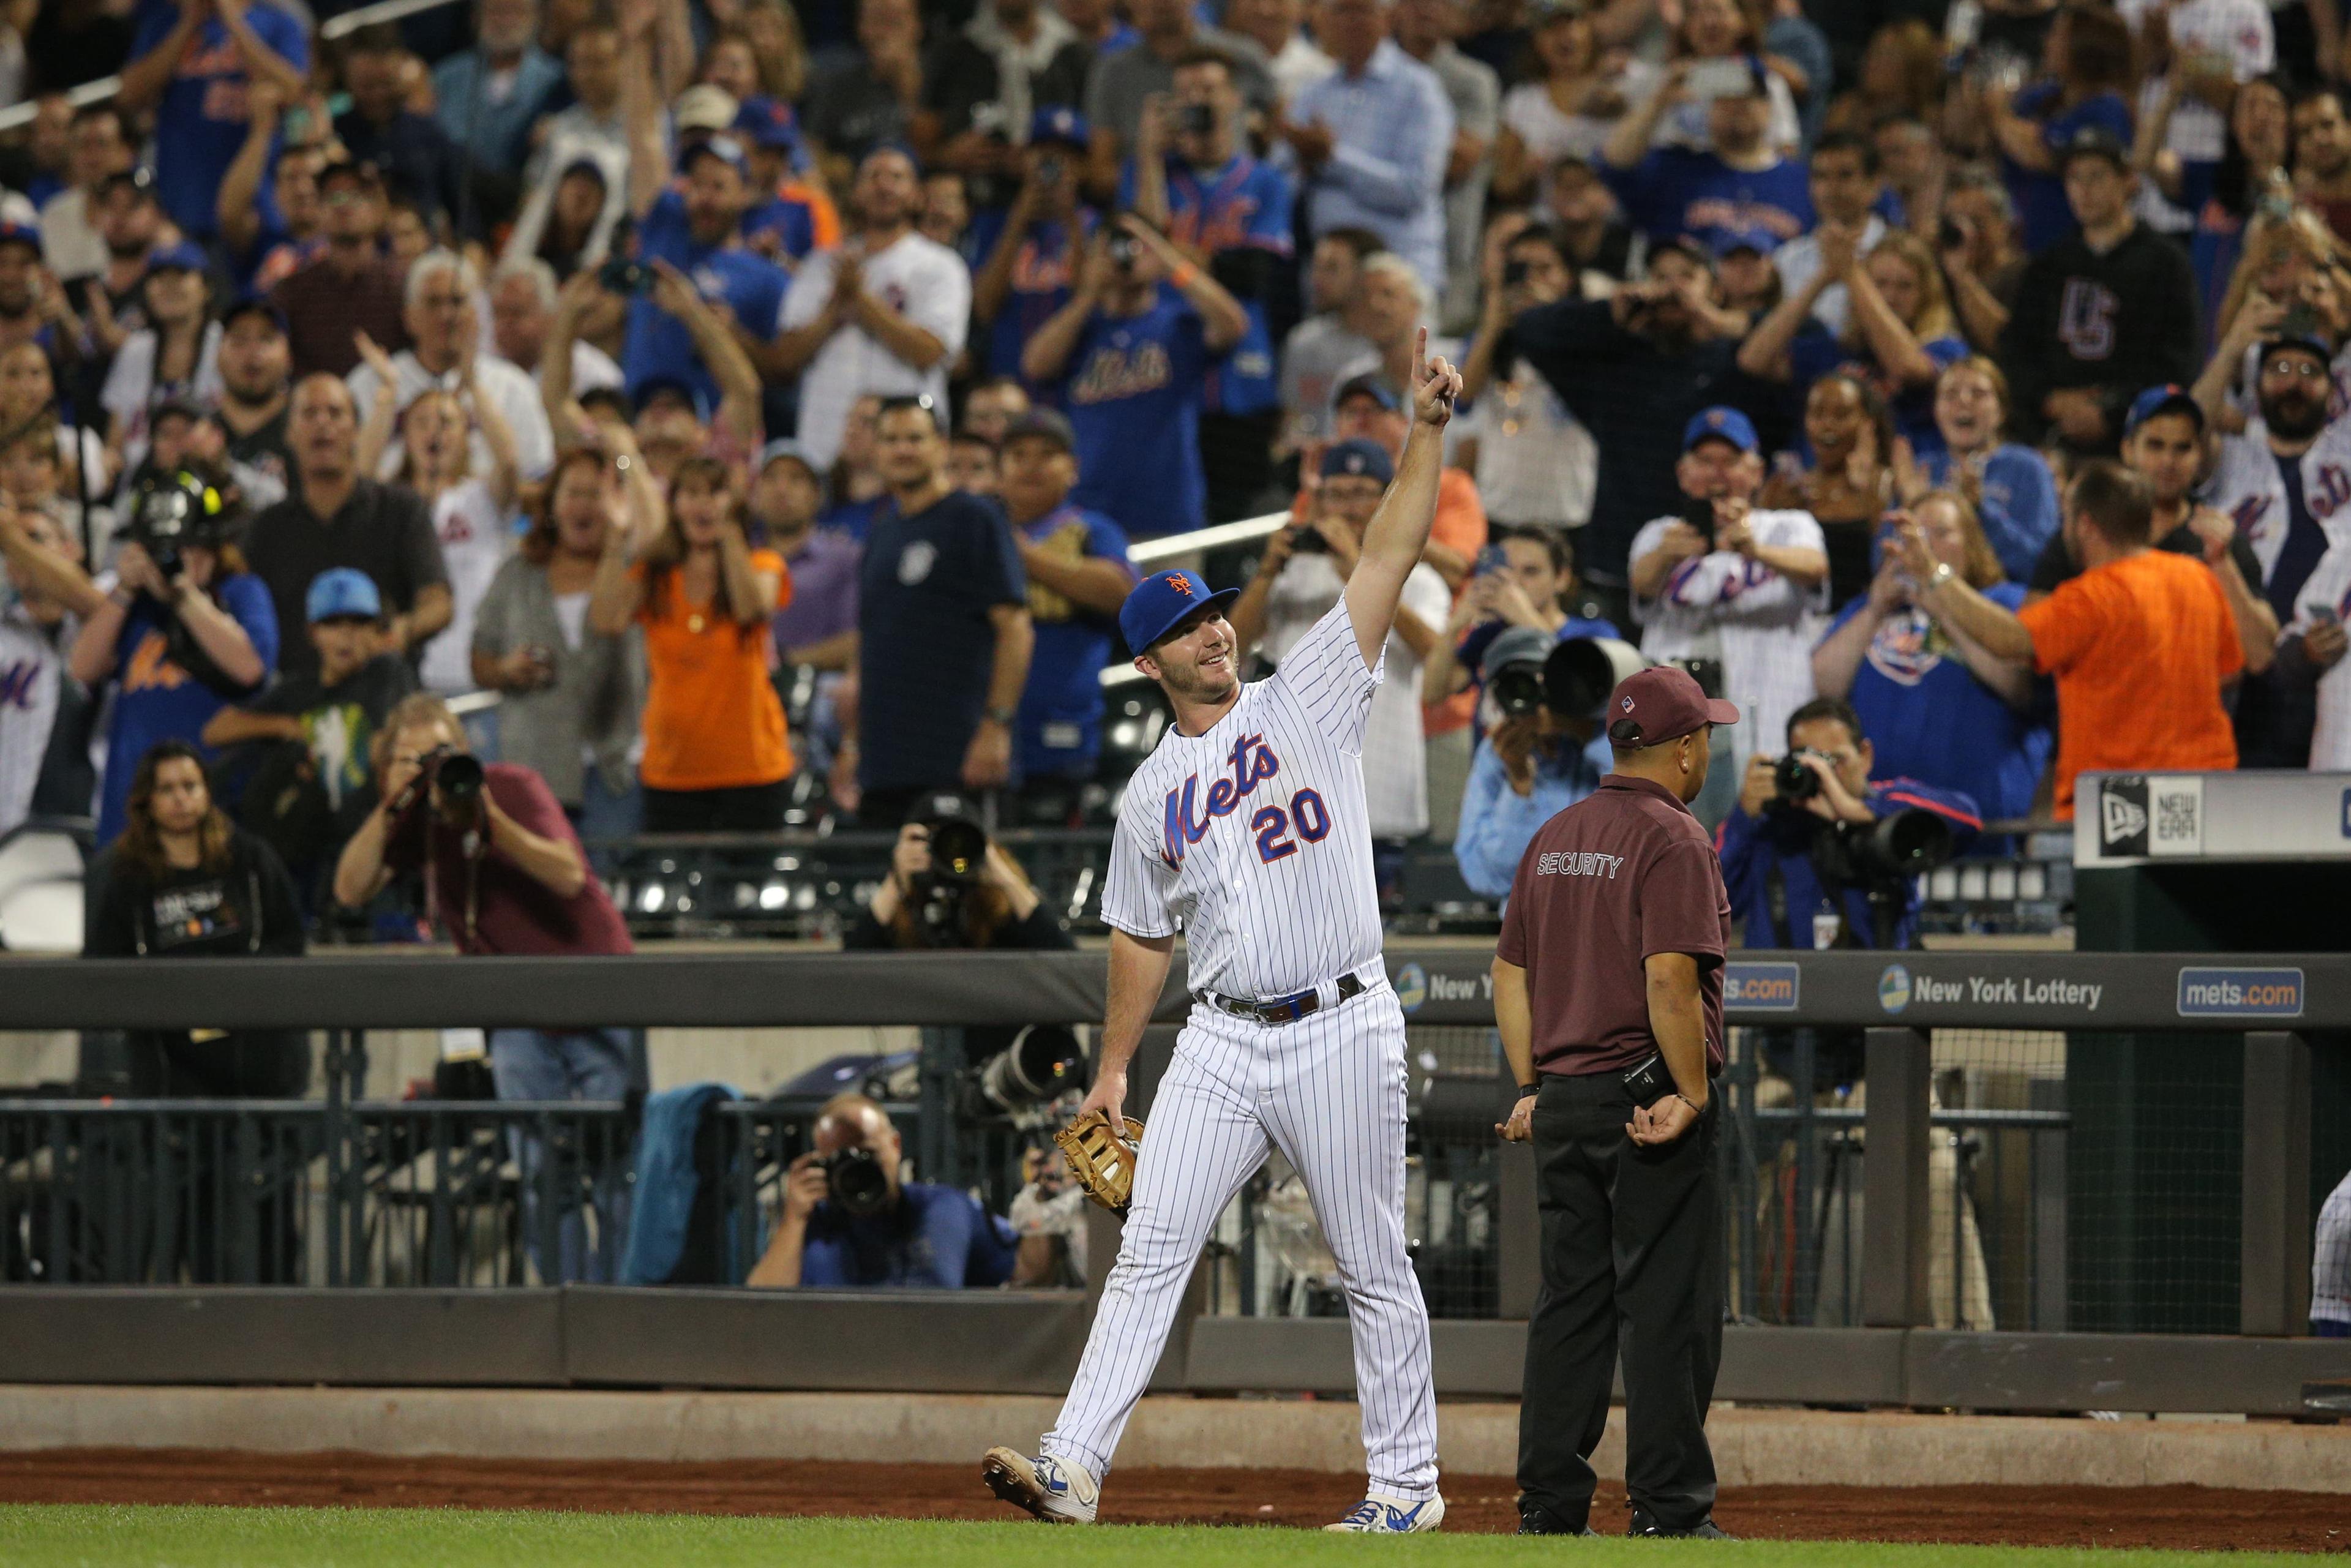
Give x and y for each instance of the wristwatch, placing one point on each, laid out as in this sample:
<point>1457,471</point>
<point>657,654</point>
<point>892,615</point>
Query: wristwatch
<point>1940,575</point>
<point>1529,1091</point>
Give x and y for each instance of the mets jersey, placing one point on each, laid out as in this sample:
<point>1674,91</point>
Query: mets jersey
<point>1759,625</point>
<point>1253,840</point>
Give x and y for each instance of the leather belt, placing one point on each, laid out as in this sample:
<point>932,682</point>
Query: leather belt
<point>1284,1009</point>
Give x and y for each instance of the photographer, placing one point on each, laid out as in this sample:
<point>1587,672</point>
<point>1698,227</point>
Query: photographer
<point>951,886</point>
<point>180,625</point>
<point>1536,762</point>
<point>504,876</point>
<point>1793,883</point>
<point>851,1220</point>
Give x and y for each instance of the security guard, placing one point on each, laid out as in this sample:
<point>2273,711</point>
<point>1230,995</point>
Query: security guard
<point>1608,991</point>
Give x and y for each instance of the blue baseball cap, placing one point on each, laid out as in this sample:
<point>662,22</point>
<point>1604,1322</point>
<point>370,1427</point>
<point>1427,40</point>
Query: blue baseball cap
<point>342,591</point>
<point>185,255</point>
<point>1057,122</point>
<point>1370,384</point>
<point>767,122</point>
<point>24,234</point>
<point>2168,397</point>
<point>1721,424</point>
<point>777,451</point>
<point>1359,456</point>
<point>1156,604</point>
<point>1762,241</point>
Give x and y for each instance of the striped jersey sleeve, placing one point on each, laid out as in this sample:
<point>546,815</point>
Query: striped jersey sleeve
<point>1324,670</point>
<point>1138,885</point>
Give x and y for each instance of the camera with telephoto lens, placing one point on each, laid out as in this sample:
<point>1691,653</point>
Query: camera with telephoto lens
<point>959,846</point>
<point>857,1183</point>
<point>174,511</point>
<point>1582,670</point>
<point>1042,1063</point>
<point>1892,849</point>
<point>1518,689</point>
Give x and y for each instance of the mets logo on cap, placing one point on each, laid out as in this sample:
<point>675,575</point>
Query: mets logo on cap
<point>1176,581</point>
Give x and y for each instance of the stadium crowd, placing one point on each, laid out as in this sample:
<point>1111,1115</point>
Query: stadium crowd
<point>765,400</point>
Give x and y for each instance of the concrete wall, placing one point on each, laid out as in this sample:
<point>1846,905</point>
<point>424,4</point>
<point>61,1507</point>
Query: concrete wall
<point>1752,1446</point>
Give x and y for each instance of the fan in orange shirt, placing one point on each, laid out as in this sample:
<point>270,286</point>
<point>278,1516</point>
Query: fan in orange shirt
<point>2142,643</point>
<point>716,757</point>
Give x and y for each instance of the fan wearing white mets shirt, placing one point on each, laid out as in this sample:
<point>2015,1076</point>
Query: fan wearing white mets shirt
<point>1248,831</point>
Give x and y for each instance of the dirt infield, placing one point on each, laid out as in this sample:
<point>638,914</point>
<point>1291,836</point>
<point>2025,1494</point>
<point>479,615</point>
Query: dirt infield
<point>2036,1516</point>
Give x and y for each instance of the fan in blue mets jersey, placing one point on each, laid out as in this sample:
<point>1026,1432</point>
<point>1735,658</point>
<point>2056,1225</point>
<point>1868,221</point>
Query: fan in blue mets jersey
<point>1247,830</point>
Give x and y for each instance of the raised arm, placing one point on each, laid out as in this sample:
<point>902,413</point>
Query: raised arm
<point>505,470</point>
<point>1221,316</point>
<point>641,103</point>
<point>236,210</point>
<point>383,411</point>
<point>1958,606</point>
<point>144,79</point>
<point>1398,531</point>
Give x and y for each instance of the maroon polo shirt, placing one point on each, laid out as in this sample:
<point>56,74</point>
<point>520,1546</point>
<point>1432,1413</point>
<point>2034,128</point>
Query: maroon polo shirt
<point>487,903</point>
<point>1624,873</point>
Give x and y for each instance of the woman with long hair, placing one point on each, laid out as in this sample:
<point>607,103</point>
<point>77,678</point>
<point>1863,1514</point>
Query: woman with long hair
<point>1849,483</point>
<point>569,695</point>
<point>716,756</point>
<point>469,510</point>
<point>184,882</point>
<point>1902,77</point>
<point>1566,113</point>
<point>1937,706</point>
<point>2008,484</point>
<point>2088,70</point>
<point>28,392</point>
<point>1725,32</point>
<point>2252,177</point>
<point>1899,331</point>
<point>174,356</point>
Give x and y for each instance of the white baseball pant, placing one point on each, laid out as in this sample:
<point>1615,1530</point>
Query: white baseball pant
<point>1329,1092</point>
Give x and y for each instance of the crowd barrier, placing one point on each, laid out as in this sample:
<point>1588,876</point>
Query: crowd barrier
<point>1891,1355</point>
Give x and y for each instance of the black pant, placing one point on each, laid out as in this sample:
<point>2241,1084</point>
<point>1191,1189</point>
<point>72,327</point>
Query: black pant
<point>746,808</point>
<point>1632,1257</point>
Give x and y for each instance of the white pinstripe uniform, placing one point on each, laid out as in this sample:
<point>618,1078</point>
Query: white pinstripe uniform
<point>1254,840</point>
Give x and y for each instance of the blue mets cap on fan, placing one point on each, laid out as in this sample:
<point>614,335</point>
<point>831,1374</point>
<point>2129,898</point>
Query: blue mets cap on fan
<point>1720,424</point>
<point>1154,605</point>
<point>1663,703</point>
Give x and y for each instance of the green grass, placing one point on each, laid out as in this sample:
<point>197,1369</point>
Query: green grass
<point>118,1537</point>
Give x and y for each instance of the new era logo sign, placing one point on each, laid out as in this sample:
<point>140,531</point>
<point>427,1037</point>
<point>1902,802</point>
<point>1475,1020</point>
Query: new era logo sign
<point>2143,816</point>
<point>2123,819</point>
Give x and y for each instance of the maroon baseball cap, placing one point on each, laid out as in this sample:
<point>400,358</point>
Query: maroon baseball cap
<point>1661,704</point>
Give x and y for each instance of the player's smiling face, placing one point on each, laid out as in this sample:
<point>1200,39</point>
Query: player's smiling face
<point>1199,661</point>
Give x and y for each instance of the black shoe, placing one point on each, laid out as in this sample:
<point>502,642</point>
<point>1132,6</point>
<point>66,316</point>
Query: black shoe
<point>1536,1520</point>
<point>1704,1530</point>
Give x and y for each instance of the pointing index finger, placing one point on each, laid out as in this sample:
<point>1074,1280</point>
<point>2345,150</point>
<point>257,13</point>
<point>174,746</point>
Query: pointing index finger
<point>1420,358</point>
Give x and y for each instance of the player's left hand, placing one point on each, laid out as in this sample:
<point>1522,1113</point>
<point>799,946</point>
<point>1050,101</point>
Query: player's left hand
<point>1435,385</point>
<point>1520,1127</point>
<point>1662,1122</point>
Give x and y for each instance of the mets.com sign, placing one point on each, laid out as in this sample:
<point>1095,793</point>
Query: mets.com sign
<point>2216,993</point>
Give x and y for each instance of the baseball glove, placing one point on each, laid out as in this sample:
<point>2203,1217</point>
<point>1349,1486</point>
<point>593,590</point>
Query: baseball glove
<point>1101,1159</point>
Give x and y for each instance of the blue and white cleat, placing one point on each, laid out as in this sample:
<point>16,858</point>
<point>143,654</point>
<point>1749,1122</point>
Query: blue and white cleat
<point>1391,1516</point>
<point>1058,1491</point>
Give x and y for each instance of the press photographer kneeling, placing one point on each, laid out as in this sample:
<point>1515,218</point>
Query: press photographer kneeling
<point>953,887</point>
<point>1819,855</point>
<point>850,1219</point>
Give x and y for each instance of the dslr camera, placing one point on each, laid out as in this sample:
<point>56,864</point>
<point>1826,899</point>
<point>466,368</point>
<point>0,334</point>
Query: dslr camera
<point>857,1182</point>
<point>958,856</point>
<point>457,775</point>
<point>174,511</point>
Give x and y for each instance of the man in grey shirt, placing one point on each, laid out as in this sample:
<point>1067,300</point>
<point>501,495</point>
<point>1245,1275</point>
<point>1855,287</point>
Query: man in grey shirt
<point>1121,81</point>
<point>1327,342</point>
<point>1424,30</point>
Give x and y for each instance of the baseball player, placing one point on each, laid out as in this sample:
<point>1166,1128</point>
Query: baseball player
<point>1248,831</point>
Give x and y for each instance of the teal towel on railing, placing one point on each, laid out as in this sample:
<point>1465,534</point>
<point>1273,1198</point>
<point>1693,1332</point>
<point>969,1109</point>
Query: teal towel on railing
<point>667,1181</point>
